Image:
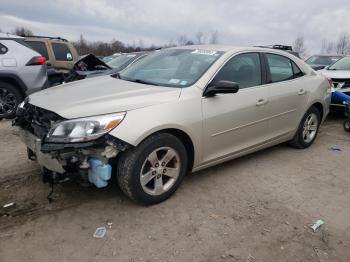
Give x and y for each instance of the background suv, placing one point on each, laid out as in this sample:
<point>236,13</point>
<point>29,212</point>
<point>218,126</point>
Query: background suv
<point>60,56</point>
<point>22,72</point>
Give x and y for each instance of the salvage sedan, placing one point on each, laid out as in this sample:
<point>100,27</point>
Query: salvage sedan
<point>177,111</point>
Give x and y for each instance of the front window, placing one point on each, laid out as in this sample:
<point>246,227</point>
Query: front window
<point>322,60</point>
<point>342,64</point>
<point>172,67</point>
<point>243,69</point>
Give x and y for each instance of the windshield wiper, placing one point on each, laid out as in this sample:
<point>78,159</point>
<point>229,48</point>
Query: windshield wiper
<point>116,75</point>
<point>142,82</point>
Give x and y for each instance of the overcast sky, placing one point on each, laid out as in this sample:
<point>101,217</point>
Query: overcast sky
<point>239,22</point>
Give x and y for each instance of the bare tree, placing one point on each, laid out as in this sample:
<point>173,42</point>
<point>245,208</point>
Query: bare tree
<point>299,45</point>
<point>343,44</point>
<point>22,31</point>
<point>327,47</point>
<point>214,37</point>
<point>182,40</point>
<point>200,38</point>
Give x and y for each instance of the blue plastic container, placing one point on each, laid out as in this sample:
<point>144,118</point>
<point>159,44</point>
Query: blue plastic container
<point>99,173</point>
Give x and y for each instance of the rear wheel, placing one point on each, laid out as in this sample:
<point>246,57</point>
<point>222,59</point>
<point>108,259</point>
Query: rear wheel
<point>307,130</point>
<point>151,172</point>
<point>10,98</point>
<point>346,125</point>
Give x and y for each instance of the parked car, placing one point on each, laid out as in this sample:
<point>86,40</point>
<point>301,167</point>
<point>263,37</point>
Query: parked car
<point>60,56</point>
<point>318,62</point>
<point>22,72</point>
<point>110,57</point>
<point>178,110</point>
<point>339,73</point>
<point>90,66</point>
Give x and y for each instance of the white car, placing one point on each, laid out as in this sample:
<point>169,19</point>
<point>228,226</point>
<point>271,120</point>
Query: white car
<point>339,73</point>
<point>178,110</point>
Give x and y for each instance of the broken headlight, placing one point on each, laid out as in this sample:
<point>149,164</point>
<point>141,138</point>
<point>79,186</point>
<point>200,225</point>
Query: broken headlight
<point>83,129</point>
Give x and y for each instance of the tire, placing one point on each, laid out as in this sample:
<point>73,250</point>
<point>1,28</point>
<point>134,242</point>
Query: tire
<point>135,162</point>
<point>346,125</point>
<point>301,139</point>
<point>10,98</point>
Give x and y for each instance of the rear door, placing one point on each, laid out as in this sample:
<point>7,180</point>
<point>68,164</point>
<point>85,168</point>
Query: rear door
<point>287,94</point>
<point>236,122</point>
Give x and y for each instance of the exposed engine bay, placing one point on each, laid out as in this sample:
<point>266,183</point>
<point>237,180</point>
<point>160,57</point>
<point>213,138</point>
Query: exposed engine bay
<point>90,161</point>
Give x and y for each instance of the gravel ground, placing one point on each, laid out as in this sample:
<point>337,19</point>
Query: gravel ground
<point>255,208</point>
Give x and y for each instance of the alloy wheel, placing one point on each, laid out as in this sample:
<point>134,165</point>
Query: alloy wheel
<point>310,127</point>
<point>160,171</point>
<point>8,101</point>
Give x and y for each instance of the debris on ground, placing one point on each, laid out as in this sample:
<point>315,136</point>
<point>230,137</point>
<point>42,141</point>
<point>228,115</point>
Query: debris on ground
<point>250,258</point>
<point>100,232</point>
<point>9,205</point>
<point>315,226</point>
<point>335,148</point>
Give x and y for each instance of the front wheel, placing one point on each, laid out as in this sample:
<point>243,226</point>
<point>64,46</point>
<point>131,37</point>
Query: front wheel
<point>152,171</point>
<point>307,130</point>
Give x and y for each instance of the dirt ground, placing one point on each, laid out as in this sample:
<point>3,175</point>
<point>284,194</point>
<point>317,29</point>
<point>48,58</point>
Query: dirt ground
<point>255,208</point>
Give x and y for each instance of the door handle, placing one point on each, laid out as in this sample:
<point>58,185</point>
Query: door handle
<point>261,102</point>
<point>302,92</point>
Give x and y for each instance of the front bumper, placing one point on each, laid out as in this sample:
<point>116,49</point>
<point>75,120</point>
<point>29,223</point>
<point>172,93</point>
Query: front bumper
<point>45,160</point>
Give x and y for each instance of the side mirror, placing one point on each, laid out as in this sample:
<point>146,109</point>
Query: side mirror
<point>221,87</point>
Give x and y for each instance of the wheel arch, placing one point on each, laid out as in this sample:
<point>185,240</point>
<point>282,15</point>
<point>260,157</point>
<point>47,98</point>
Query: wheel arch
<point>320,109</point>
<point>15,81</point>
<point>184,138</point>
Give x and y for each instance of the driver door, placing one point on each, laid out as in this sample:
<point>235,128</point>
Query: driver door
<point>233,123</point>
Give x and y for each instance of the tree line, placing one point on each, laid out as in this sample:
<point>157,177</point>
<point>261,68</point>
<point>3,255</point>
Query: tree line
<point>101,48</point>
<point>341,46</point>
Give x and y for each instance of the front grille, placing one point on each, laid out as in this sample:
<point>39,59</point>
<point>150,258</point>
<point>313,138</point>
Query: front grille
<point>36,120</point>
<point>341,83</point>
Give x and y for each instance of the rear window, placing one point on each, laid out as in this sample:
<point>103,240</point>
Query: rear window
<point>40,47</point>
<point>282,68</point>
<point>3,49</point>
<point>62,52</point>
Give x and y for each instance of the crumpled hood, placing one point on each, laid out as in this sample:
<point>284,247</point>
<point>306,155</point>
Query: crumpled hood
<point>101,95</point>
<point>335,73</point>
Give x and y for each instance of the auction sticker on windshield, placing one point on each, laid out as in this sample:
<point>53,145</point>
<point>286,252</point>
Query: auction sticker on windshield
<point>205,52</point>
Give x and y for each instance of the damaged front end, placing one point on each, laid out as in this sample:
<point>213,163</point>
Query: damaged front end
<point>64,148</point>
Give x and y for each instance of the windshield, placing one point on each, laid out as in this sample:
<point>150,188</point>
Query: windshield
<point>171,67</point>
<point>322,60</point>
<point>342,64</point>
<point>121,60</point>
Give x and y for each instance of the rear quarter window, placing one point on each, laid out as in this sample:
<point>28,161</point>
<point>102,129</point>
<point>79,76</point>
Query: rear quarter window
<point>3,49</point>
<point>40,47</point>
<point>62,52</point>
<point>282,68</point>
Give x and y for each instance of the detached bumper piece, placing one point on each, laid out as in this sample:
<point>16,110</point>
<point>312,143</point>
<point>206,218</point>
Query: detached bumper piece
<point>90,161</point>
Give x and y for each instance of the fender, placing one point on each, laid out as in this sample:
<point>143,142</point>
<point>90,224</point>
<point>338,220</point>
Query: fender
<point>16,79</point>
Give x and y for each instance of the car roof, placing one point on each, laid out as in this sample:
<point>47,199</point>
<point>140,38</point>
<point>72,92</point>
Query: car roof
<point>233,49</point>
<point>7,35</point>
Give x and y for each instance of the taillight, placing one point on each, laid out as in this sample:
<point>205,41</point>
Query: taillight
<point>37,60</point>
